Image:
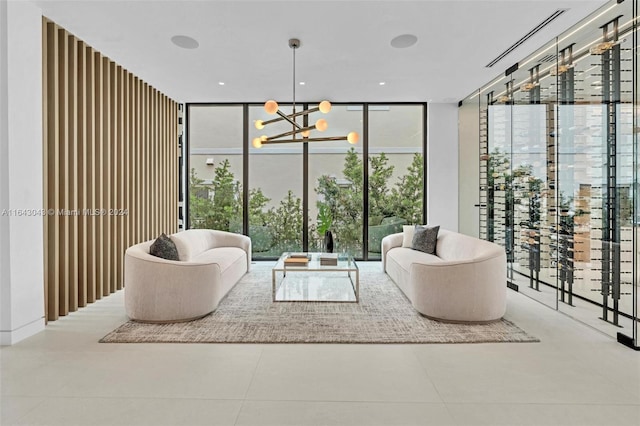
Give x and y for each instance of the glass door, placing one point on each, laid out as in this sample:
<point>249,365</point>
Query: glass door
<point>558,158</point>
<point>275,189</point>
<point>536,249</point>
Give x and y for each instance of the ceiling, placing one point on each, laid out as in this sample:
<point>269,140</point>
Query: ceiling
<point>345,52</point>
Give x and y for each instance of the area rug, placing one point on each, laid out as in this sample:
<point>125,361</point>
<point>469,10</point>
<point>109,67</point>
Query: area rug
<point>384,315</point>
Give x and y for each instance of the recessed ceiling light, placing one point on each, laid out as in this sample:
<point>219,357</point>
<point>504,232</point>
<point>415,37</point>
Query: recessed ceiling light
<point>382,83</point>
<point>302,83</point>
<point>404,41</point>
<point>221,83</point>
<point>185,42</point>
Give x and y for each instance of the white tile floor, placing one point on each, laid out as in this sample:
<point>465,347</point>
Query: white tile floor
<point>574,376</point>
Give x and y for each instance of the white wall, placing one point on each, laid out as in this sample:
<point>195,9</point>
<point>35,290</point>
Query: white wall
<point>442,166</point>
<point>469,166</point>
<point>21,180</point>
<point>5,272</point>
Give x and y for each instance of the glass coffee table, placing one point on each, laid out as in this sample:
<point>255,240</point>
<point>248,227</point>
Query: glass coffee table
<point>314,282</point>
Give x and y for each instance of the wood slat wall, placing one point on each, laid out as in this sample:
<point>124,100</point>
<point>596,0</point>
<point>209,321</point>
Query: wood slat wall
<point>110,169</point>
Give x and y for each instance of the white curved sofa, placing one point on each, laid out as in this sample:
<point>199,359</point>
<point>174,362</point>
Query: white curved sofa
<point>464,282</point>
<point>159,290</point>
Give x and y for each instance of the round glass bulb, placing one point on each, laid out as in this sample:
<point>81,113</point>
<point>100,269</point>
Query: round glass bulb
<point>325,107</point>
<point>305,134</point>
<point>257,143</point>
<point>259,124</point>
<point>322,125</point>
<point>353,138</point>
<point>263,138</point>
<point>271,107</point>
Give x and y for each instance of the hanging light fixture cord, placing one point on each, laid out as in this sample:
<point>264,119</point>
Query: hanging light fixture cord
<point>294,47</point>
<point>271,107</point>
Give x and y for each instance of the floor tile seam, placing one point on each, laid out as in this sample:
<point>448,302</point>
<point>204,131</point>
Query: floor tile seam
<point>253,374</point>
<point>237,417</point>
<point>25,414</point>
<point>450,411</point>
<point>414,351</point>
<point>150,398</point>
<point>577,404</point>
<point>345,401</point>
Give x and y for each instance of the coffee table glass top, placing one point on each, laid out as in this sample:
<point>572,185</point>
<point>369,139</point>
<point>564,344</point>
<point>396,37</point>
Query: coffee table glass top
<point>315,282</point>
<point>345,263</point>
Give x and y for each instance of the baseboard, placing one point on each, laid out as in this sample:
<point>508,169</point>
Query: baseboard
<point>627,341</point>
<point>12,337</point>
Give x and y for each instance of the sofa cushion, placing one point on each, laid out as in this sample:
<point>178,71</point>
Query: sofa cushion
<point>223,256</point>
<point>192,242</point>
<point>407,235</point>
<point>453,246</point>
<point>425,238</point>
<point>405,257</point>
<point>164,248</point>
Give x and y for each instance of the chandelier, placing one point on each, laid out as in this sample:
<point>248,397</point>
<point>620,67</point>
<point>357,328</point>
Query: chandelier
<point>298,133</point>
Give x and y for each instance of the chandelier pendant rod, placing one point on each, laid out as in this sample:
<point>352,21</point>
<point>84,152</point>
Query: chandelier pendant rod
<point>324,139</point>
<point>293,132</point>
<point>284,117</point>
<point>271,107</point>
<point>294,46</point>
<point>297,114</point>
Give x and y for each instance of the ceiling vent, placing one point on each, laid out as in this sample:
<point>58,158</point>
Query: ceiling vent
<point>530,34</point>
<point>548,58</point>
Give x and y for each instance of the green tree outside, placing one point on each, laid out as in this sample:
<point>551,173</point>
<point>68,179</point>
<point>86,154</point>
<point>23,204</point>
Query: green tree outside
<point>219,205</point>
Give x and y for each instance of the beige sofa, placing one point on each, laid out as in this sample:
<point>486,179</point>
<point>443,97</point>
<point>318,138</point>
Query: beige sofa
<point>464,282</point>
<point>158,290</point>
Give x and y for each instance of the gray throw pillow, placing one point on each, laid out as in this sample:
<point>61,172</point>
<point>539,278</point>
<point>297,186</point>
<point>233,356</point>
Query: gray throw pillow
<point>164,247</point>
<point>425,238</point>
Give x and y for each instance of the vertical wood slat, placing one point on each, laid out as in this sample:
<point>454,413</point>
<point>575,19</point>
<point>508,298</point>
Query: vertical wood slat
<point>45,165</point>
<point>154,164</point>
<point>72,172</point>
<point>145,177</point>
<point>81,123</point>
<point>132,153</point>
<point>63,172</point>
<point>109,142</point>
<point>106,175</point>
<point>122,175</point>
<point>176,155</point>
<point>90,175</point>
<point>98,175</point>
<point>135,158</point>
<point>113,181</point>
<point>52,184</point>
<point>165,169</point>
<point>126,89</point>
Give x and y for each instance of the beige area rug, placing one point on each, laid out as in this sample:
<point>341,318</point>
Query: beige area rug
<point>384,315</point>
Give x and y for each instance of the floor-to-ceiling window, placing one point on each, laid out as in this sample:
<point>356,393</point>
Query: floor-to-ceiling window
<point>336,191</point>
<point>396,170</point>
<point>558,174</point>
<point>275,189</point>
<point>215,167</point>
<point>286,196</point>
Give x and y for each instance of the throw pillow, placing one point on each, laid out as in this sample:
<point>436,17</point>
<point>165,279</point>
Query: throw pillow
<point>425,238</point>
<point>165,248</point>
<point>407,235</point>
